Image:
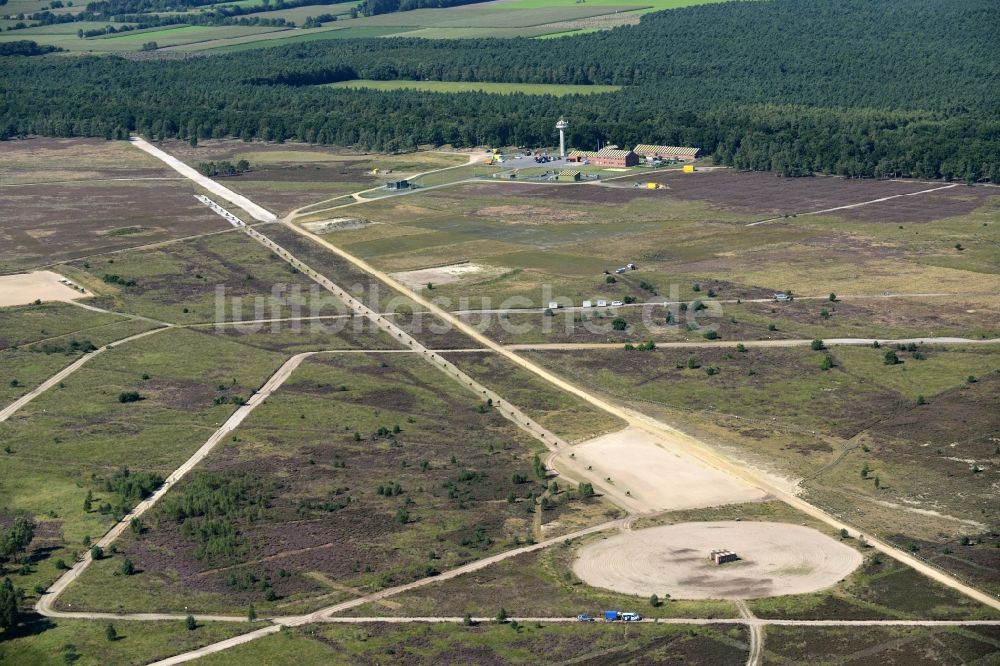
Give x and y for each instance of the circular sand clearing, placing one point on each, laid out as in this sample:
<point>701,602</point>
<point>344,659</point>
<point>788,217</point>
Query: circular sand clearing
<point>775,559</point>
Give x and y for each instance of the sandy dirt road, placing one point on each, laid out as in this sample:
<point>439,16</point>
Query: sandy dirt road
<point>752,620</point>
<point>9,411</point>
<point>756,655</point>
<point>256,211</point>
<point>829,342</point>
<point>24,288</point>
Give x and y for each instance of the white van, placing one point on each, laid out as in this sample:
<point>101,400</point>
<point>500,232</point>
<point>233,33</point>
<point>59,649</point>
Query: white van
<point>616,303</point>
<point>631,617</point>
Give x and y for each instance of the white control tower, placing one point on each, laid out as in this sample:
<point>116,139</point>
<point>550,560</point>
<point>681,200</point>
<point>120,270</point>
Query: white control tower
<point>561,126</point>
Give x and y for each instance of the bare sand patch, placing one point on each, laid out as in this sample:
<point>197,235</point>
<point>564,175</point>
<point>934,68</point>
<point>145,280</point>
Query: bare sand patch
<point>418,279</point>
<point>775,559</point>
<point>649,474</point>
<point>336,224</point>
<point>24,288</point>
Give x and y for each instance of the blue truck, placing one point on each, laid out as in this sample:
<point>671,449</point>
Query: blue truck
<point>615,616</point>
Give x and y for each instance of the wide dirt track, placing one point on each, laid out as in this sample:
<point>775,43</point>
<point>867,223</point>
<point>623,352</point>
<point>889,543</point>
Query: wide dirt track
<point>775,559</point>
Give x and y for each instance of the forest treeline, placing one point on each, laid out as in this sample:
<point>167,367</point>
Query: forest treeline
<point>900,87</point>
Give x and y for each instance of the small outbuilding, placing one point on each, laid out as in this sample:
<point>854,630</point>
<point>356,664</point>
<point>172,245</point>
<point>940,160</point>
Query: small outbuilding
<point>568,176</point>
<point>721,556</point>
<point>397,185</point>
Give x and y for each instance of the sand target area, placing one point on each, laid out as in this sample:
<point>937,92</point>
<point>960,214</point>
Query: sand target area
<point>418,279</point>
<point>775,559</point>
<point>655,473</point>
<point>24,288</point>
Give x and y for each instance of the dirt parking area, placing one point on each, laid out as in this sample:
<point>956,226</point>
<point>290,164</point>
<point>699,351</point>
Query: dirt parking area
<point>647,474</point>
<point>775,559</point>
<point>419,279</point>
<point>24,288</point>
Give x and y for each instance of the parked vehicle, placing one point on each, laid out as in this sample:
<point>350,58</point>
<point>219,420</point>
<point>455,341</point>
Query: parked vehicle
<point>630,617</point>
<point>611,616</point>
<point>616,303</point>
<point>620,270</point>
<point>585,617</point>
<point>782,296</point>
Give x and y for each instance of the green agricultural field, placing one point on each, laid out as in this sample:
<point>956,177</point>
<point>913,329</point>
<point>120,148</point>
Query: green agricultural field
<point>175,36</point>
<point>558,90</point>
<point>651,5</point>
<point>329,31</point>
<point>298,15</point>
<point>65,36</point>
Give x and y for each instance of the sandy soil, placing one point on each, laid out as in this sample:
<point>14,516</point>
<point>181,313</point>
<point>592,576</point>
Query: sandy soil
<point>24,288</point>
<point>775,559</point>
<point>654,475</point>
<point>335,224</point>
<point>417,280</point>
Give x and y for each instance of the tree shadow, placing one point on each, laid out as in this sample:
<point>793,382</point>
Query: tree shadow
<point>31,624</point>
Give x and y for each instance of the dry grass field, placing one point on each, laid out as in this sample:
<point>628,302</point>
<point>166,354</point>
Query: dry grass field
<point>369,469</point>
<point>358,474</point>
<point>69,198</point>
<point>525,237</point>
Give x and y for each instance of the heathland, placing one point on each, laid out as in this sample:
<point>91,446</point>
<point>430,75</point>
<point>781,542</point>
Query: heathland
<point>346,469</point>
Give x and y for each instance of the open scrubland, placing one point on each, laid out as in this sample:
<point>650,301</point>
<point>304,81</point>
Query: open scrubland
<point>284,177</point>
<point>547,584</point>
<point>65,199</point>
<point>373,643</point>
<point>368,468</point>
<point>358,474</point>
<point>887,445</point>
<point>913,266</point>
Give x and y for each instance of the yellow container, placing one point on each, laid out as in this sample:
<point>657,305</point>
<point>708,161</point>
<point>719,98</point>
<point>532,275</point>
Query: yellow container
<point>688,168</point>
<point>652,186</point>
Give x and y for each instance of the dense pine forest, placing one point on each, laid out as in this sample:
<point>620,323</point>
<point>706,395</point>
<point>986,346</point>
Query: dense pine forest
<point>854,87</point>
